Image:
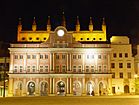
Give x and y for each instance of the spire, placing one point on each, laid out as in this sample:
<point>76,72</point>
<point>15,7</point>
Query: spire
<point>103,21</point>
<point>77,24</point>
<point>104,26</point>
<point>19,25</point>
<point>63,19</point>
<point>90,25</point>
<point>34,26</point>
<point>48,24</point>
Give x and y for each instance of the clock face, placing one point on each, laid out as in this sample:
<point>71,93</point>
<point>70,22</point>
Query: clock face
<point>60,32</point>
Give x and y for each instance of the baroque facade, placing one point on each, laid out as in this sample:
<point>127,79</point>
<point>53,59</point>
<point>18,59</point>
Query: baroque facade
<point>67,63</point>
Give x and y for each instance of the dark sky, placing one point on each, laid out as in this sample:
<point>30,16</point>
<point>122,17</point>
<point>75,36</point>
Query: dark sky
<point>122,16</point>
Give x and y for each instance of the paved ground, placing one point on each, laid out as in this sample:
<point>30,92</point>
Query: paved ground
<point>97,100</point>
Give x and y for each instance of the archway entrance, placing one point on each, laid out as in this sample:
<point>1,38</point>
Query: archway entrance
<point>31,88</point>
<point>126,89</point>
<point>77,90</point>
<point>100,88</point>
<point>90,89</point>
<point>44,88</point>
<point>18,89</point>
<point>61,88</point>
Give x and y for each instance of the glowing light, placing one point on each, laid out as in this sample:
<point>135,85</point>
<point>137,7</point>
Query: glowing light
<point>60,32</point>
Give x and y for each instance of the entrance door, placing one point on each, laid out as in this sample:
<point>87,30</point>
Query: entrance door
<point>126,89</point>
<point>77,90</point>
<point>113,90</point>
<point>31,88</point>
<point>61,88</point>
<point>90,89</point>
<point>44,87</point>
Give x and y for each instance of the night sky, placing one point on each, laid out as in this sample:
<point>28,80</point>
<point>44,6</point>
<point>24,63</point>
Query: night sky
<point>122,17</point>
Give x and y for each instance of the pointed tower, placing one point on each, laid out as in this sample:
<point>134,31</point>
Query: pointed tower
<point>77,25</point>
<point>34,26</point>
<point>48,24</point>
<point>90,25</point>
<point>19,25</point>
<point>104,26</point>
<point>63,20</point>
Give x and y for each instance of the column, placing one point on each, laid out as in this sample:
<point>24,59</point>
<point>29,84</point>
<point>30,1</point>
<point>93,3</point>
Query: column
<point>83,85</point>
<point>83,63</point>
<point>70,86</point>
<point>50,85</point>
<point>11,62</point>
<point>67,61</point>
<point>37,87</point>
<point>97,86</point>
<point>10,89</point>
<point>25,62</point>
<point>38,59</point>
<point>67,86</point>
<point>53,85</point>
<point>110,86</point>
<point>53,61</point>
<point>50,68</point>
<point>108,62</point>
<point>24,88</point>
<point>70,63</point>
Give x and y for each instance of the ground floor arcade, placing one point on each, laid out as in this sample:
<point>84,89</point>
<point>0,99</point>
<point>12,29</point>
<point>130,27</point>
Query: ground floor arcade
<point>59,84</point>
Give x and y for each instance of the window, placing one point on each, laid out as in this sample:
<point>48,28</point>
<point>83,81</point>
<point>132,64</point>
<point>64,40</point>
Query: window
<point>112,65</point>
<point>63,68</point>
<point>63,56</point>
<point>33,56</point>
<point>57,56</point>
<point>28,68</point>
<point>87,56</point>
<point>92,69</point>
<point>33,68</point>
<point>74,68</point>
<point>129,74</point>
<point>74,56</point>
<point>81,38</point>
<point>21,68</point>
<point>113,75</point>
<point>87,38</point>
<point>114,55</point>
<point>126,55</point>
<point>44,38</point>
<point>128,65</point>
<point>79,68</point>
<point>105,56</point>
<point>121,75</point>
<point>28,56</point>
<point>46,56</point>
<point>46,69</point>
<point>15,68</point>
<point>120,65</point>
<point>100,38</point>
<point>94,38</point>
<point>87,68</point>
<point>57,68</point>
<point>30,38</point>
<point>41,68</point>
<point>120,55</point>
<point>79,56</point>
<point>92,56</point>
<point>21,57</point>
<point>41,56</point>
<point>37,38</point>
<point>99,68</point>
<point>99,56</point>
<point>23,38</point>
<point>15,56</point>
<point>105,68</point>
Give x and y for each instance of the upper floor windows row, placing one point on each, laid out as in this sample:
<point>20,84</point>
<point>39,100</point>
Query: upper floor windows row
<point>128,65</point>
<point>31,39</point>
<point>115,55</point>
<point>90,39</point>
<point>45,56</point>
